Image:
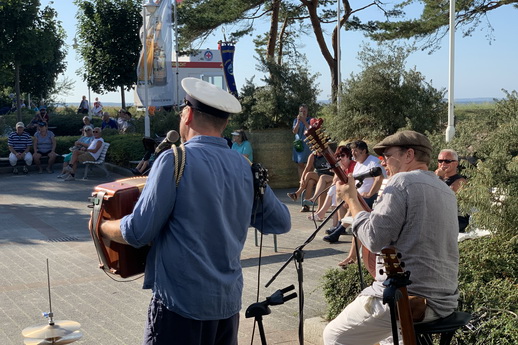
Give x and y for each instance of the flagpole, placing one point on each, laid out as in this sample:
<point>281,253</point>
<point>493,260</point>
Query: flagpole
<point>177,50</point>
<point>450,130</point>
<point>338,57</point>
<point>147,125</point>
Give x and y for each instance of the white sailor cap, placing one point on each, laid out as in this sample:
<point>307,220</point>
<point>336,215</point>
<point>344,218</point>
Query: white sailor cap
<point>209,98</point>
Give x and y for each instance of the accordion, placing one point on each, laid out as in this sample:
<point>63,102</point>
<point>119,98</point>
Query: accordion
<point>113,201</point>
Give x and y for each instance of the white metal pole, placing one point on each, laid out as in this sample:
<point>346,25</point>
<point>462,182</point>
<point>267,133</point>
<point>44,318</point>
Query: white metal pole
<point>338,57</point>
<point>89,104</point>
<point>450,130</point>
<point>147,131</point>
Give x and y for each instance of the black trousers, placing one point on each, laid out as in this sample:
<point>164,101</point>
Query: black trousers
<point>168,328</point>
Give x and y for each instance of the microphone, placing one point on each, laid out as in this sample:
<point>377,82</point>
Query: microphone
<point>373,172</point>
<point>171,137</point>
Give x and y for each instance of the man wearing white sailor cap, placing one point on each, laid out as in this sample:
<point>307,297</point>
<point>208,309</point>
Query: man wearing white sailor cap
<point>199,227</point>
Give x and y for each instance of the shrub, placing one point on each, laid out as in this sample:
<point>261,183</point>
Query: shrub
<point>276,104</point>
<point>487,280</point>
<point>341,286</point>
<point>487,269</point>
<point>385,98</point>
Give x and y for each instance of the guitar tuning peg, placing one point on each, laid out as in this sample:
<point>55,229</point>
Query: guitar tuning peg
<point>402,264</point>
<point>398,255</point>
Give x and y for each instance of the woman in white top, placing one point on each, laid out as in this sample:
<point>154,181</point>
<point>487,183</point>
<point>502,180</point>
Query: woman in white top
<point>91,153</point>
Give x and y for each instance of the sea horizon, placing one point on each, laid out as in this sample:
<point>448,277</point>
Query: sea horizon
<point>476,100</point>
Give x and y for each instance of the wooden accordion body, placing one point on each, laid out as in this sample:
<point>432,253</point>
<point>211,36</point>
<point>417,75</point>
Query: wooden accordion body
<point>112,201</point>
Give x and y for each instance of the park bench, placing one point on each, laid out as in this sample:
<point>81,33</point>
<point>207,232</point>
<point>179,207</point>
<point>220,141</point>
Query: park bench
<point>99,162</point>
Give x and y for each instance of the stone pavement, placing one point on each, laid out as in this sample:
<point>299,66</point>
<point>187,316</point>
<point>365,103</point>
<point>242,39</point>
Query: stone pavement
<point>42,217</point>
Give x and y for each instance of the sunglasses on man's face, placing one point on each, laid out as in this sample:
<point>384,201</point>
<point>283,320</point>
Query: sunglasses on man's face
<point>448,161</point>
<point>96,131</point>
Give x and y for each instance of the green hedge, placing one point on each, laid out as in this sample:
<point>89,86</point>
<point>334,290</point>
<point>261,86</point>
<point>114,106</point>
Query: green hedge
<point>487,282</point>
<point>123,148</point>
<point>341,286</point>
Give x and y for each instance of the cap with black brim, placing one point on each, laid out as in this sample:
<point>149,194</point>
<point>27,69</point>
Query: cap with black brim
<point>209,98</point>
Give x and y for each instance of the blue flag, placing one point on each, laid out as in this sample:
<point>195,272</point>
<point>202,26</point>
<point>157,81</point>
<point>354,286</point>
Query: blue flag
<point>227,56</point>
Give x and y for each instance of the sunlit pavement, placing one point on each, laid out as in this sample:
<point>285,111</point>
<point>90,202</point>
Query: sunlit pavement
<point>42,217</point>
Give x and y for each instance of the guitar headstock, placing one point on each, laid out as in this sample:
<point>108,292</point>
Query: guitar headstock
<point>393,266</point>
<point>316,138</point>
<point>318,141</point>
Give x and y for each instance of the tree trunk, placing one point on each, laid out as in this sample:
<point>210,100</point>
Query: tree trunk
<point>17,90</point>
<point>317,30</point>
<point>331,60</point>
<point>123,97</point>
<point>281,40</point>
<point>272,39</point>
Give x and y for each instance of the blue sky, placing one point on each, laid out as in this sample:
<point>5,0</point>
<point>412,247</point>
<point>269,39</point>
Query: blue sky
<point>482,67</point>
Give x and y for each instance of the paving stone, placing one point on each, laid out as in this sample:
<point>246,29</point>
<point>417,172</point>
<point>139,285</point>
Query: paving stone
<point>43,218</point>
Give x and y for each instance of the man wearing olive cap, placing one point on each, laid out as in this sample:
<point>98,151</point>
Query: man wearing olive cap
<point>194,264</point>
<point>417,213</point>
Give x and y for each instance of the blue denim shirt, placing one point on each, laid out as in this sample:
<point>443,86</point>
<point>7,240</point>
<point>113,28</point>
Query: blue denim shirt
<point>198,230</point>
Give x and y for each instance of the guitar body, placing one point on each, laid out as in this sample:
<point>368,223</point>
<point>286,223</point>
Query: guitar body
<point>318,142</point>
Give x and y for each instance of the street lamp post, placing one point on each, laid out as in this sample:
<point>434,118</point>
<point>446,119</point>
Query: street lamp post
<point>150,7</point>
<point>75,45</point>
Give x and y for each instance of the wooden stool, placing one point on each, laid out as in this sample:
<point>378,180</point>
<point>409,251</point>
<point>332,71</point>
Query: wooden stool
<point>446,327</point>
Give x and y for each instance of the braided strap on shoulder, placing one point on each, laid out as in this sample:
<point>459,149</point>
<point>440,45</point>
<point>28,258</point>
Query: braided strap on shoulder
<point>179,161</point>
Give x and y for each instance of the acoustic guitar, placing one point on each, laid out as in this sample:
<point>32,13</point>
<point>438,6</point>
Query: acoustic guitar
<point>397,280</point>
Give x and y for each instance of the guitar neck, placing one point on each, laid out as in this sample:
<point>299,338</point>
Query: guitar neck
<point>318,140</point>
<point>329,156</point>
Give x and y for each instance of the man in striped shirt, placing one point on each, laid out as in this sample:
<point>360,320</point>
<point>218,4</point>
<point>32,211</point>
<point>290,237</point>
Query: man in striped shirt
<point>20,143</point>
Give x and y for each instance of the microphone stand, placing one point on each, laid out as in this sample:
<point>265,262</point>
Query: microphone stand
<point>257,310</point>
<point>298,257</point>
<point>358,259</point>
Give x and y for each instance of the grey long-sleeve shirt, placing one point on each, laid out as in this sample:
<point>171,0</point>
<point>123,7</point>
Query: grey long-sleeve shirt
<point>417,213</point>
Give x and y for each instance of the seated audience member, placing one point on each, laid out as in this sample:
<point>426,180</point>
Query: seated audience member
<point>35,120</point>
<point>344,158</point>
<point>44,114</point>
<point>149,157</point>
<point>81,144</point>
<point>124,122</point>
<point>315,167</point>
<point>44,146</point>
<point>19,143</point>
<point>108,122</point>
<point>242,145</point>
<point>370,186</point>
<point>86,122</point>
<point>92,152</point>
<point>448,172</point>
<point>416,214</point>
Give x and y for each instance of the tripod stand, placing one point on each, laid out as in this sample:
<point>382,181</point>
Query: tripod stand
<point>257,310</point>
<point>298,257</point>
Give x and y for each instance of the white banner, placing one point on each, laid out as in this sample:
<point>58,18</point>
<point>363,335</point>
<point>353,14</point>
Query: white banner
<point>157,46</point>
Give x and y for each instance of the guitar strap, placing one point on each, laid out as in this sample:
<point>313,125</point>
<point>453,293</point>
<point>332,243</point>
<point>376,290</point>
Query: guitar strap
<point>179,161</point>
